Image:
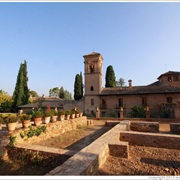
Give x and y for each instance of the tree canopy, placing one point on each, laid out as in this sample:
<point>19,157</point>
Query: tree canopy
<point>21,92</point>
<point>110,77</point>
<point>77,88</point>
<point>120,83</point>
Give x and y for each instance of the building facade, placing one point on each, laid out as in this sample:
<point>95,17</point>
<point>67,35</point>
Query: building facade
<point>162,94</point>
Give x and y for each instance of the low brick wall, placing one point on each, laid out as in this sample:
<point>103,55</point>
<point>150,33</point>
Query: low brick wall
<point>145,126</point>
<point>53,129</point>
<point>119,149</point>
<point>88,160</point>
<point>175,128</point>
<point>4,141</point>
<point>151,139</point>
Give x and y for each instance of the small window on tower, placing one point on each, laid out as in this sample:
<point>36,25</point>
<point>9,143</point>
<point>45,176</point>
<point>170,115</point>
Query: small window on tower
<point>92,102</point>
<point>91,67</point>
<point>92,88</point>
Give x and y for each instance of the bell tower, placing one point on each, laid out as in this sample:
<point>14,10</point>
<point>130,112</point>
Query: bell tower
<point>93,81</point>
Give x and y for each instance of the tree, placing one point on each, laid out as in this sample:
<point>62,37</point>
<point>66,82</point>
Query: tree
<point>67,95</point>
<point>5,102</point>
<point>21,92</point>
<point>61,93</point>
<point>120,83</point>
<point>33,93</point>
<point>81,81</point>
<point>110,77</point>
<point>77,87</point>
<point>54,92</point>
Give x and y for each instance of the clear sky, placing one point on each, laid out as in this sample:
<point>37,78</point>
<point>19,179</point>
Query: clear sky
<point>141,40</point>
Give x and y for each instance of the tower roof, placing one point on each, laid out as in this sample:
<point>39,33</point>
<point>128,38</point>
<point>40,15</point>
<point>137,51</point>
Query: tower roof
<point>92,54</point>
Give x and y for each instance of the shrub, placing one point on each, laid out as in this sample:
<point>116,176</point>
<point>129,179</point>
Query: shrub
<point>10,118</point>
<point>23,117</point>
<point>138,112</point>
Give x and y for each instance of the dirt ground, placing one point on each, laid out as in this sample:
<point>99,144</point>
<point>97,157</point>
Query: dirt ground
<point>143,160</point>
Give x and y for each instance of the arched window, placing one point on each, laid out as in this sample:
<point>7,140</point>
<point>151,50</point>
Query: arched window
<point>92,88</point>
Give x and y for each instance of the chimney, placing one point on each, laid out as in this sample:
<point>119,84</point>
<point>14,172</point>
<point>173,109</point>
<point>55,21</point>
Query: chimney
<point>130,83</point>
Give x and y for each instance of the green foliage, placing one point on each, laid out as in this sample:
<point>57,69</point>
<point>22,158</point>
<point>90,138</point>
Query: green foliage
<point>21,92</point>
<point>67,112</point>
<point>67,95</point>
<point>81,83</point>
<point>54,92</point>
<point>61,93</point>
<point>23,117</point>
<point>10,118</point>
<point>110,77</point>
<point>33,132</point>
<point>38,114</point>
<point>111,113</point>
<point>54,112</point>
<point>33,93</point>
<point>138,112</point>
<point>12,141</point>
<point>120,83</point>
<point>61,112</point>
<point>78,87</point>
<point>5,102</point>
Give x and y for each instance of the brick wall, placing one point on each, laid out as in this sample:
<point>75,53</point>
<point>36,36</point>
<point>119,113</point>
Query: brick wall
<point>53,129</point>
<point>151,139</point>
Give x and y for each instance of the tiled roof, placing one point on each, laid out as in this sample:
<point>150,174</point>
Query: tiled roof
<point>150,89</point>
<point>170,73</point>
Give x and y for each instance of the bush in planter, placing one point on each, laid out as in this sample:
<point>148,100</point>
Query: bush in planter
<point>61,115</point>
<point>38,114</point>
<point>37,117</point>
<point>47,116</point>
<point>10,118</point>
<point>54,115</point>
<point>25,119</point>
<point>11,121</point>
<point>67,114</point>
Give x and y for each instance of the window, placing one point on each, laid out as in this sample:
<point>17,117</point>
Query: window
<point>120,102</point>
<point>169,99</point>
<point>103,104</point>
<point>144,101</point>
<point>92,102</point>
<point>169,78</point>
<point>92,88</point>
<point>92,67</point>
<point>176,78</point>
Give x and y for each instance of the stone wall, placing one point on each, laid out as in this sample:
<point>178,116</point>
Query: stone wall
<point>52,130</point>
<point>151,139</point>
<point>70,104</point>
<point>175,128</point>
<point>88,160</point>
<point>145,126</point>
<point>4,141</point>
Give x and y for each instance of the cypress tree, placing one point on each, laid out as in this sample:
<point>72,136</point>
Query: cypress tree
<point>77,87</point>
<point>61,93</point>
<point>81,80</point>
<point>110,77</point>
<point>25,85</point>
<point>21,92</point>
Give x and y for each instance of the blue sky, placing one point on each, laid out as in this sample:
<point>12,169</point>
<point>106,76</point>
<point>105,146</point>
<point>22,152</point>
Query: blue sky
<point>141,40</point>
